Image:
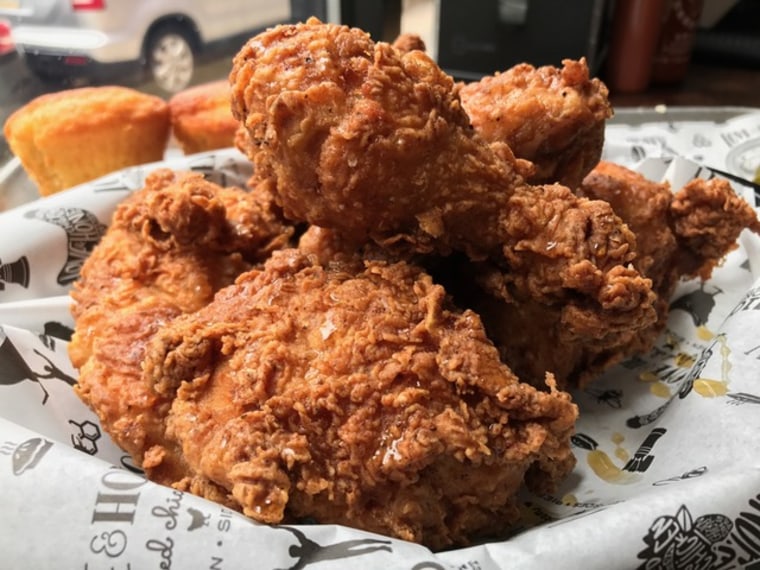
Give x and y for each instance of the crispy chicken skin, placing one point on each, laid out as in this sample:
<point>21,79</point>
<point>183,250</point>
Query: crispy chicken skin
<point>571,297</point>
<point>367,140</point>
<point>679,235</point>
<point>353,393</point>
<point>409,42</point>
<point>169,248</point>
<point>374,145</point>
<point>553,117</point>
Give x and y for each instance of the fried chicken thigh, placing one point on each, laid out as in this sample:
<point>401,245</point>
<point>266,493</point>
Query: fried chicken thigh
<point>169,248</point>
<point>553,117</point>
<point>354,393</point>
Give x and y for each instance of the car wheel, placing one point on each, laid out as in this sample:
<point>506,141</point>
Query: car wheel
<point>170,58</point>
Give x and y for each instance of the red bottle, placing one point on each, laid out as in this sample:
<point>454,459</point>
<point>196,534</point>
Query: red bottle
<point>679,28</point>
<point>633,43</point>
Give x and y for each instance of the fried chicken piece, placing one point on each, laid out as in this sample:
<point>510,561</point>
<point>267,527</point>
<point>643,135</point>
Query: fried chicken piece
<point>552,117</point>
<point>409,42</point>
<point>355,394</point>
<point>169,248</point>
<point>366,140</point>
<point>563,253</point>
<point>681,235</point>
<point>374,145</point>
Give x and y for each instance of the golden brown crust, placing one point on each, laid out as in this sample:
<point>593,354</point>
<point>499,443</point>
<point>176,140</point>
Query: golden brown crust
<point>66,138</point>
<point>355,394</point>
<point>553,117</point>
<point>678,235</point>
<point>169,248</point>
<point>201,117</point>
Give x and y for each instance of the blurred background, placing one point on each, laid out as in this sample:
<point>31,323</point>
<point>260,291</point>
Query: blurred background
<point>650,52</point>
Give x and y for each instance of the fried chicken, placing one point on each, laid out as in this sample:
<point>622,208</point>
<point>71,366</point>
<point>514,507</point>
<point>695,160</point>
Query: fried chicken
<point>354,393</point>
<point>373,144</point>
<point>169,248</point>
<point>564,253</point>
<point>409,42</point>
<point>366,140</point>
<point>553,117</point>
<point>679,235</point>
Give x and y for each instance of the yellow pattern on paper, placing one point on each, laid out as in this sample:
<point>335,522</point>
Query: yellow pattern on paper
<point>703,333</point>
<point>684,360</point>
<point>570,500</point>
<point>710,388</point>
<point>660,389</point>
<point>606,470</point>
<point>648,377</point>
<point>620,452</point>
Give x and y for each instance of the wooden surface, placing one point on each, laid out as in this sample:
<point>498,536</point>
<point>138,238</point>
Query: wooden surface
<point>705,85</point>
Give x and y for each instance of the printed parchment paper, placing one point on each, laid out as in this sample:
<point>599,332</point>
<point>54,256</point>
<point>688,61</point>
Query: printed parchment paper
<point>668,444</point>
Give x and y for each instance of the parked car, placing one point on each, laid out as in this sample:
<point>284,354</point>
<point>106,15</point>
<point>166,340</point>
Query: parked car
<point>6,42</point>
<point>91,38</point>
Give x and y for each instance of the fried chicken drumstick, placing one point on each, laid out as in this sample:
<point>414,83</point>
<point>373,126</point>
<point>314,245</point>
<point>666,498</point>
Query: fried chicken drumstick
<point>354,393</point>
<point>366,140</point>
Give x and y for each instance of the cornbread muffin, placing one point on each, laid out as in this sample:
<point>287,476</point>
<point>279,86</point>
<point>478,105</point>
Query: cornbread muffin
<point>63,139</point>
<point>201,117</point>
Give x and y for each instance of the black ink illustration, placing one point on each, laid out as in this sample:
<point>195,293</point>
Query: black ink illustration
<point>16,272</point>
<point>14,369</point>
<point>678,542</point>
<point>583,441</point>
<point>691,474</point>
<point>643,457</point>
<point>27,455</point>
<point>308,552</point>
<point>83,232</point>
<point>739,398</point>
<point>750,302</point>
<point>57,330</point>
<point>699,304</point>
<point>640,421</point>
<point>86,437</point>
<point>612,398</point>
<point>696,370</point>
<point>198,519</point>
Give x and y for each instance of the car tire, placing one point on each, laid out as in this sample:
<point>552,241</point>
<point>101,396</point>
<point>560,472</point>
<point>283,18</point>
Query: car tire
<point>170,57</point>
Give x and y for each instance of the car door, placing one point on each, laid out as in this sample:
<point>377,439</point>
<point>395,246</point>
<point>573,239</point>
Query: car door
<point>224,18</point>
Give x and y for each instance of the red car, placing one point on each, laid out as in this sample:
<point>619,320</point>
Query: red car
<point>6,42</point>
